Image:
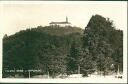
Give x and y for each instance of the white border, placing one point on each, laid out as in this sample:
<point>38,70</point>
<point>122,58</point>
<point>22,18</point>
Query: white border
<point>64,80</point>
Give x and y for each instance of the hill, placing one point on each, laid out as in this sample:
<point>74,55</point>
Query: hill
<point>39,48</point>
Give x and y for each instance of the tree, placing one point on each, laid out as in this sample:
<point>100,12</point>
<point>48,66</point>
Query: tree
<point>74,58</point>
<point>87,64</point>
<point>96,39</point>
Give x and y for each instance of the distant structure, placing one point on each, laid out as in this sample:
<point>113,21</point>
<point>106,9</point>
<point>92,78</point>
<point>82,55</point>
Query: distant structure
<point>62,24</point>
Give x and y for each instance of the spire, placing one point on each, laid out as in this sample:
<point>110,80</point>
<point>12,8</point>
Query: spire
<point>66,19</point>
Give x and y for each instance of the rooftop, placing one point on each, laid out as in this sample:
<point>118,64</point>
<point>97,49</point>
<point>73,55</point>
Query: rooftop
<point>64,22</point>
<point>59,23</point>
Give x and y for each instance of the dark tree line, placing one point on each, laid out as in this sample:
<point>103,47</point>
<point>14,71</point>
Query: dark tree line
<point>70,50</point>
<point>101,49</point>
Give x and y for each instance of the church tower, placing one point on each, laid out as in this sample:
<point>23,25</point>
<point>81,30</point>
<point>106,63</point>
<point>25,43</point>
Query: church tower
<point>66,19</point>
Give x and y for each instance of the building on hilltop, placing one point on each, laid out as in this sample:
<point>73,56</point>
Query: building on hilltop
<point>61,24</point>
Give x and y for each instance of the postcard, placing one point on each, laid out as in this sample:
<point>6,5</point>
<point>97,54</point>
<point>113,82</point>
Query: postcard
<point>63,41</point>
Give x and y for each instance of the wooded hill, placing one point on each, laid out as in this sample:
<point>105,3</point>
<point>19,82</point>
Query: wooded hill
<point>65,50</point>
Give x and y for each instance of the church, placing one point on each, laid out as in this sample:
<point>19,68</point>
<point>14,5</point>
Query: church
<point>60,24</point>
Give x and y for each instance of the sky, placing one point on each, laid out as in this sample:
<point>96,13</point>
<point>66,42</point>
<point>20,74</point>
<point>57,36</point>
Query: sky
<point>18,15</point>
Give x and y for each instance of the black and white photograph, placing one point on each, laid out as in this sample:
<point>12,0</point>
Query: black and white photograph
<point>63,41</point>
